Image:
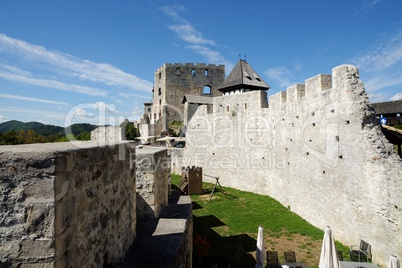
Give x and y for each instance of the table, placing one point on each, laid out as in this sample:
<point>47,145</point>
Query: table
<point>352,264</point>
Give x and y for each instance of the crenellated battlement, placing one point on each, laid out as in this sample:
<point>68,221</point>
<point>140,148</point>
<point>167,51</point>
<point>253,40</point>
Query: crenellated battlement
<point>190,65</point>
<point>314,86</point>
<point>311,87</point>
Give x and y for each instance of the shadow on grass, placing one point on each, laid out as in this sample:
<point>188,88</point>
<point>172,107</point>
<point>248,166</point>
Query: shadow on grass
<point>223,251</point>
<point>219,192</point>
<point>196,205</point>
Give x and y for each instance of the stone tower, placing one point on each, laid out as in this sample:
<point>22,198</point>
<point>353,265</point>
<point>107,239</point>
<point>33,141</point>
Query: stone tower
<point>173,81</point>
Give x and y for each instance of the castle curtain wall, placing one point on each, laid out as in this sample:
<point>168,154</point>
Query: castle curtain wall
<point>317,149</point>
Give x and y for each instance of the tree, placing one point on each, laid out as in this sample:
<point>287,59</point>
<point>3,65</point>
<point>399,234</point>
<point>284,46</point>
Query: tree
<point>176,126</point>
<point>9,138</point>
<point>131,131</point>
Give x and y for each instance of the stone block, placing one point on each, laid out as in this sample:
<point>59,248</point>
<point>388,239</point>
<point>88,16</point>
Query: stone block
<point>65,212</point>
<point>40,190</point>
<point>37,249</point>
<point>317,84</point>
<point>295,92</point>
<point>41,165</point>
<point>37,265</point>
<point>40,219</point>
<point>9,249</point>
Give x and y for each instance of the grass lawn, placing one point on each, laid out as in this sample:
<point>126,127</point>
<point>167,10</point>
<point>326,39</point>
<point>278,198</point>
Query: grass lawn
<point>227,227</point>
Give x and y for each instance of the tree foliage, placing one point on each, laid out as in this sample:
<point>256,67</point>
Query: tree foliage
<point>15,132</point>
<point>131,131</point>
<point>176,127</point>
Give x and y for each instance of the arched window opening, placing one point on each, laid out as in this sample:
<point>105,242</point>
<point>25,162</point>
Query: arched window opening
<point>207,90</point>
<point>193,72</point>
<point>206,72</point>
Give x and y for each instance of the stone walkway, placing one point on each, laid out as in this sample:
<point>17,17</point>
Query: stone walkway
<point>160,242</point>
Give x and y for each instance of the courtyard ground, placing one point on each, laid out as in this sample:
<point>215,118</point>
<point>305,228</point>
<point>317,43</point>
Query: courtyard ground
<point>225,229</point>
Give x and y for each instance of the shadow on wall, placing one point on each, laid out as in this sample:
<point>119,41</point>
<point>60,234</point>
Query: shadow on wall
<point>5,264</point>
<point>143,208</point>
<point>164,241</point>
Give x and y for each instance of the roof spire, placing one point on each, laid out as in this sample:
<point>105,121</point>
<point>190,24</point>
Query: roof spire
<point>243,76</point>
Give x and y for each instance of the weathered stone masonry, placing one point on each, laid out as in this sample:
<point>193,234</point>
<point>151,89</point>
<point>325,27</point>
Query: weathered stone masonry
<point>171,83</point>
<point>66,206</point>
<point>152,177</point>
<point>316,149</point>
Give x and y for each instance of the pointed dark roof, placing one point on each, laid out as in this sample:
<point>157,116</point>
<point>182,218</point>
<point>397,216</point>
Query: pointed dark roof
<point>243,76</point>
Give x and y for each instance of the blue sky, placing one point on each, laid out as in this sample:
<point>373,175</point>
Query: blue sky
<point>64,62</point>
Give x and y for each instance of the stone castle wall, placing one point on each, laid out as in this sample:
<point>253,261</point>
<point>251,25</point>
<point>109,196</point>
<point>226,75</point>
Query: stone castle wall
<point>316,149</point>
<point>108,135</point>
<point>66,206</point>
<point>152,175</point>
<point>173,81</point>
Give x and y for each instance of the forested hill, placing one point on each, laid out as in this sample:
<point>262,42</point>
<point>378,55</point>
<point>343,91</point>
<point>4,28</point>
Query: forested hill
<point>39,128</point>
<point>45,130</point>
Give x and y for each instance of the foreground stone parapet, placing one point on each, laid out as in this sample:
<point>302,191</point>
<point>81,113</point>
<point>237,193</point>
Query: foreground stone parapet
<point>66,204</point>
<point>152,176</point>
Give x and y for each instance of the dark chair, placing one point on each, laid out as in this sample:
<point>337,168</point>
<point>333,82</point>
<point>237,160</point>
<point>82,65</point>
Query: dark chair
<point>290,256</point>
<point>362,252</point>
<point>272,259</point>
<point>340,255</point>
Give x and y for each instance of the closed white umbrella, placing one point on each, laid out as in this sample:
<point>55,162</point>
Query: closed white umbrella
<point>260,255</point>
<point>393,262</point>
<point>329,255</point>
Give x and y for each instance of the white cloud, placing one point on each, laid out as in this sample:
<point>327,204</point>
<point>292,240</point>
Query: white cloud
<point>17,97</point>
<point>383,55</point>
<point>281,75</point>
<point>377,82</point>
<point>189,34</point>
<point>135,96</point>
<point>211,56</point>
<point>172,11</point>
<point>375,97</point>
<point>69,65</point>
<point>397,96</point>
<point>381,65</point>
<point>31,111</point>
<point>15,70</point>
<point>104,108</point>
<point>4,118</point>
<point>53,84</point>
<point>82,113</point>
<point>370,4</point>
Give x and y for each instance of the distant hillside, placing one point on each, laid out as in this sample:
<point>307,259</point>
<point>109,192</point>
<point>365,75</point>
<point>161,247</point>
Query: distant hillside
<point>45,130</point>
<point>77,129</point>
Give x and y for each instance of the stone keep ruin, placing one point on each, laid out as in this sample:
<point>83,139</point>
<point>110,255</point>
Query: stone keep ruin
<point>317,149</point>
<point>171,83</point>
